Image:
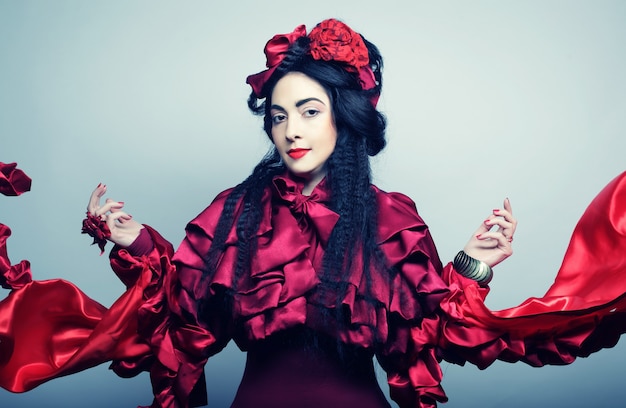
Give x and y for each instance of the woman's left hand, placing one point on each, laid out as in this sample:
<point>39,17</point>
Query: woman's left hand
<point>490,245</point>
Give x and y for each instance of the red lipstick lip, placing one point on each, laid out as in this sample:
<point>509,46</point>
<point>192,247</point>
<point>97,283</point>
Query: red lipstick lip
<point>297,153</point>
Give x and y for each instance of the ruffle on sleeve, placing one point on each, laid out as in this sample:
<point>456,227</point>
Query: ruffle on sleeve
<point>408,245</point>
<point>169,323</point>
<point>411,362</point>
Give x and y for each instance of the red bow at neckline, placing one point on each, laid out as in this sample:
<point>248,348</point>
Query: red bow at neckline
<point>308,208</point>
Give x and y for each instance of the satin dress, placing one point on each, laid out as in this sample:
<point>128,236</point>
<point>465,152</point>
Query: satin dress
<point>281,315</point>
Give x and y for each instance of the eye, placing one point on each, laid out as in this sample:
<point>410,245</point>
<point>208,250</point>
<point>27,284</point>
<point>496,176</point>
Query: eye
<point>309,113</point>
<point>278,118</point>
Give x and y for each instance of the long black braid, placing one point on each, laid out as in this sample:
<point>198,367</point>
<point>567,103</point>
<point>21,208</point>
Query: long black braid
<point>245,200</point>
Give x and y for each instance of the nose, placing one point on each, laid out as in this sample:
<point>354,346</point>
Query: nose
<point>292,130</point>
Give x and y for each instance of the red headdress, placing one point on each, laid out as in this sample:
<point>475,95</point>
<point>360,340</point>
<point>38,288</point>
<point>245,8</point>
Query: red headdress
<point>331,40</point>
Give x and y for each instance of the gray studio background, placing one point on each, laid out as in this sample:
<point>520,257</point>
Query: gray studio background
<point>485,100</point>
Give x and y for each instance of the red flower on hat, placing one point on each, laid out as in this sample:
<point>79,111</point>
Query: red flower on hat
<point>330,40</point>
<point>333,40</point>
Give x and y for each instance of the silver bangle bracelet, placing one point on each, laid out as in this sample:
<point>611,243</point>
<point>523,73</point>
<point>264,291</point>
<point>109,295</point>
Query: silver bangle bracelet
<point>472,268</point>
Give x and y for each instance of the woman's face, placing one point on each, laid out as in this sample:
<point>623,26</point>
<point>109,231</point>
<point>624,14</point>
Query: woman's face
<point>303,127</point>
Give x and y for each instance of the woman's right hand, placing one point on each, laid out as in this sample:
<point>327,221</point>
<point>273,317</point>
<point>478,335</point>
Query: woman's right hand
<point>124,230</point>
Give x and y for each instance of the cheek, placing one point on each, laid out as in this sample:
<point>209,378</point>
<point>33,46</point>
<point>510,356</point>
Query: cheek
<point>332,141</point>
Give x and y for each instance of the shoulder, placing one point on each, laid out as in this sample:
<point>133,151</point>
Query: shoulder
<point>396,212</point>
<point>395,200</point>
<point>199,233</point>
<point>402,232</point>
<point>207,219</point>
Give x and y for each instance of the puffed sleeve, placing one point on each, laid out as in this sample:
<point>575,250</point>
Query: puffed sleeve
<point>581,313</point>
<point>411,362</point>
<point>180,336</point>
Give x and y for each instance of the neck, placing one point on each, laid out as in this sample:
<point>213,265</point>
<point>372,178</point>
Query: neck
<point>310,184</point>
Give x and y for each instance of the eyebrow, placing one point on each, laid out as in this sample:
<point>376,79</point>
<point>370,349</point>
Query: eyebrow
<point>303,101</point>
<point>298,104</point>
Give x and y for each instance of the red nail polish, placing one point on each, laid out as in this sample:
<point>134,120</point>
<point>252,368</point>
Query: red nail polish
<point>479,235</point>
<point>495,211</point>
<point>99,185</point>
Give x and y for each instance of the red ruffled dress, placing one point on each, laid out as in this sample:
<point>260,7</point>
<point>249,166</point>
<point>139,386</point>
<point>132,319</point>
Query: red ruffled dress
<point>297,353</point>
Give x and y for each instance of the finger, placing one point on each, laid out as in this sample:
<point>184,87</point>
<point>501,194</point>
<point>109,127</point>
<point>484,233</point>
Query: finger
<point>119,216</point>
<point>482,229</point>
<point>506,228</point>
<point>503,213</point>
<point>506,213</point>
<point>124,218</point>
<point>94,199</point>
<point>486,240</point>
<point>507,205</point>
<point>501,223</point>
<point>110,206</point>
<point>494,239</point>
<point>115,207</point>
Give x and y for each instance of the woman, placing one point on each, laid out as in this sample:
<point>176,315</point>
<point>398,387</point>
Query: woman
<point>313,303</point>
<point>311,269</point>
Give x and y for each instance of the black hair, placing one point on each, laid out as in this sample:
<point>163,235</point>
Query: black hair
<point>360,134</point>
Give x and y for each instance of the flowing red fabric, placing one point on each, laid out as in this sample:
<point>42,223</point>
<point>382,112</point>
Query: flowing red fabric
<point>410,319</point>
<point>50,328</point>
<point>13,181</point>
<point>583,311</point>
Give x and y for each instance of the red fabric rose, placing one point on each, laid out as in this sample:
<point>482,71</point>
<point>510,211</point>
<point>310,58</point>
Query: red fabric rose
<point>97,229</point>
<point>333,40</point>
<point>13,181</point>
